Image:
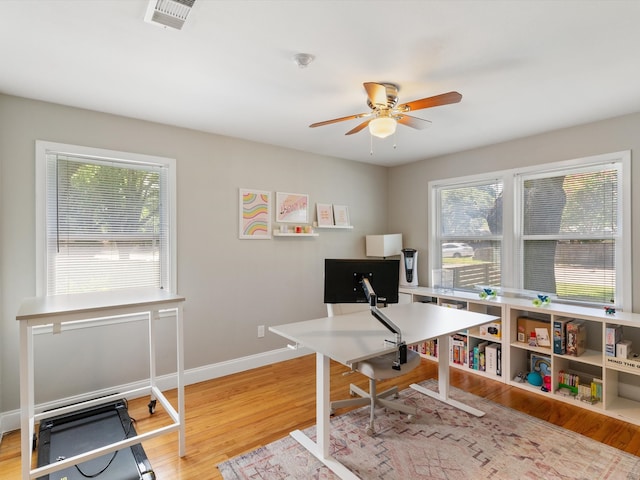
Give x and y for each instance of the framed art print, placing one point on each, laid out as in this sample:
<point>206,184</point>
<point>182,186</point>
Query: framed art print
<point>341,215</point>
<point>541,364</point>
<point>325,214</point>
<point>292,207</point>
<point>255,214</point>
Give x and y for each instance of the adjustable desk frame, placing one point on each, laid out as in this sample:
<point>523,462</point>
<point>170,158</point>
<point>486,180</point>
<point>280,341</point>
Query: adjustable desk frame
<point>351,338</point>
<point>94,309</point>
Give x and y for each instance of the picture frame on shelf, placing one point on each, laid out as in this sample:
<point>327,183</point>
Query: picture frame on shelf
<point>541,364</point>
<point>341,216</point>
<point>254,214</point>
<point>292,207</point>
<point>325,214</point>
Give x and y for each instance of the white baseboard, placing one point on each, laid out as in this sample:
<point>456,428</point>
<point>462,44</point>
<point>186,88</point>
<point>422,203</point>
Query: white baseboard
<point>10,421</point>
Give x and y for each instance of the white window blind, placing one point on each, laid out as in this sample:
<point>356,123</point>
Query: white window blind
<point>469,232</point>
<point>107,224</point>
<point>570,229</point>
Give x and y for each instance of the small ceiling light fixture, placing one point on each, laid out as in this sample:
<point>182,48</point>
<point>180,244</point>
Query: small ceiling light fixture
<point>383,126</point>
<point>303,59</point>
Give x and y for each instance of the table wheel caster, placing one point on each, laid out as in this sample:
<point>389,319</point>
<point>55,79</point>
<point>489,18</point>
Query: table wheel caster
<point>152,406</point>
<point>370,431</point>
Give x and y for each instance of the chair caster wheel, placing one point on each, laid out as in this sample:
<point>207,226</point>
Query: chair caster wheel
<point>370,431</point>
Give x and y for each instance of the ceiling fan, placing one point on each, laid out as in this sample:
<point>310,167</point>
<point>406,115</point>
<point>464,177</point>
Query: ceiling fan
<point>382,98</point>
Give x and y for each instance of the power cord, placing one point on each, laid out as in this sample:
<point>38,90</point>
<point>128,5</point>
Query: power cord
<point>113,457</point>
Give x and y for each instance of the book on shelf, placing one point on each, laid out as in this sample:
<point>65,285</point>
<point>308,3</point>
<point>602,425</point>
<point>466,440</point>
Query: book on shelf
<point>428,347</point>
<point>478,361</point>
<point>457,305</point>
<point>458,351</point>
<point>576,338</point>
<point>596,389</point>
<point>613,335</point>
<point>560,336</point>
<point>568,381</point>
<point>492,359</point>
<point>542,337</point>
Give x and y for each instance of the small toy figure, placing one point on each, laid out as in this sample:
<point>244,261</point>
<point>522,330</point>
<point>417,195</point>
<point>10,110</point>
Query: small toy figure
<point>609,310</point>
<point>487,293</point>
<point>541,300</point>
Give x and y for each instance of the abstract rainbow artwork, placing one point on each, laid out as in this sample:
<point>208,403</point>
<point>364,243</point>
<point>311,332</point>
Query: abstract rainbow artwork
<point>255,214</point>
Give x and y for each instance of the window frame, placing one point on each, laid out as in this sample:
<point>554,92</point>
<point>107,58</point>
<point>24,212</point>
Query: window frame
<point>45,148</point>
<point>435,224</point>
<point>512,270</point>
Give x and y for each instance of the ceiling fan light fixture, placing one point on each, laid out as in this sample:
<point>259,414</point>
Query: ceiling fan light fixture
<point>382,127</point>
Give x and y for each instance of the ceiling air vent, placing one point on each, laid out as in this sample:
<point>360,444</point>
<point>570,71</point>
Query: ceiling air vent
<point>168,13</point>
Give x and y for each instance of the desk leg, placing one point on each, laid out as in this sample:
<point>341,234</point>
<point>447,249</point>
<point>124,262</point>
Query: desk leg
<point>26,397</point>
<point>320,448</point>
<point>180,366</point>
<point>443,381</point>
<point>154,315</point>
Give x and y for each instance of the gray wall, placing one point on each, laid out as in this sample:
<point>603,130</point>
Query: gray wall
<point>231,285</point>
<point>408,202</point>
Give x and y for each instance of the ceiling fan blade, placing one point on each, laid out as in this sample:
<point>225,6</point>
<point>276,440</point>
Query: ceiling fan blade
<point>377,93</point>
<point>436,101</point>
<point>358,128</point>
<point>341,119</point>
<point>414,122</point>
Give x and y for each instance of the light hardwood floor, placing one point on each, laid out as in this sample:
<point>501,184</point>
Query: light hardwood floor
<point>238,413</point>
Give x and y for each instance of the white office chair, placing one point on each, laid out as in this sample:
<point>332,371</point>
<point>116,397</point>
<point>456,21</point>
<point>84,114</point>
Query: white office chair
<point>377,368</point>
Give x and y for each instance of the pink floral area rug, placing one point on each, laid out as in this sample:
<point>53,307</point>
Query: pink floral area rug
<point>442,443</point>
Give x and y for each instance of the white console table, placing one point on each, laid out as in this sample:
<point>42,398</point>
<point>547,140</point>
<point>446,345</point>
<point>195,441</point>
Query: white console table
<point>60,311</point>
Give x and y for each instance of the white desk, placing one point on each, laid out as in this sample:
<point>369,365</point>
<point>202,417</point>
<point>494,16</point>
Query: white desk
<point>348,339</point>
<point>94,309</point>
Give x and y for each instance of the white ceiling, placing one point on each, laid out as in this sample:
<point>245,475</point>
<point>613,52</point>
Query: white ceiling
<point>523,67</point>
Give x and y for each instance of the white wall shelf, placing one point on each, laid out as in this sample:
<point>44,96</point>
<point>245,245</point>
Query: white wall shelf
<point>348,227</point>
<point>279,234</point>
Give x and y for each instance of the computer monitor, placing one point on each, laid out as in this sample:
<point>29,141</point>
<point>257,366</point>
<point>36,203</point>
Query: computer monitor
<point>343,280</point>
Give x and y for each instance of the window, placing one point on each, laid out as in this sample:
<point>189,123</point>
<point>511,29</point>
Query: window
<point>568,232</point>
<point>560,229</point>
<point>105,220</point>
<point>468,231</point>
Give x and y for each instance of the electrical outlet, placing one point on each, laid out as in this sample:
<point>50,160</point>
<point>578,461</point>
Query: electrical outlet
<point>260,331</point>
